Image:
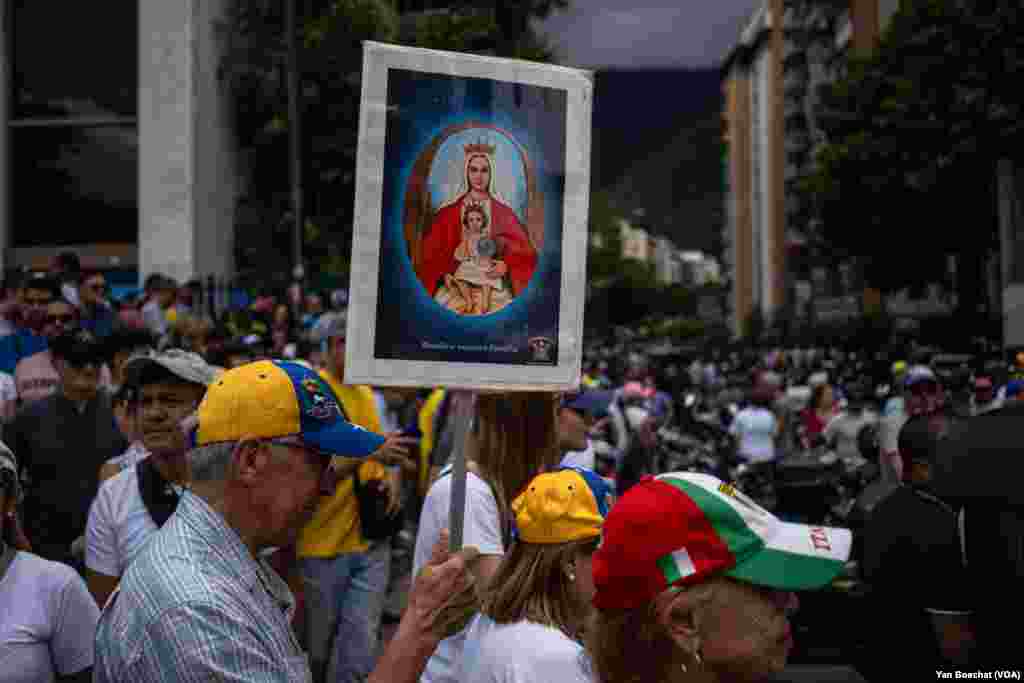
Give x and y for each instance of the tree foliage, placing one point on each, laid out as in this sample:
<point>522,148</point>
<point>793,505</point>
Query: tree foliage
<point>604,249</point>
<point>913,131</point>
<point>331,33</point>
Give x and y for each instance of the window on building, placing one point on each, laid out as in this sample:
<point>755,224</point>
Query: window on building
<point>72,107</point>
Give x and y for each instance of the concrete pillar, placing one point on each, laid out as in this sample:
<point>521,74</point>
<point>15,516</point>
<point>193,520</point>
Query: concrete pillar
<point>187,159</point>
<point>5,79</point>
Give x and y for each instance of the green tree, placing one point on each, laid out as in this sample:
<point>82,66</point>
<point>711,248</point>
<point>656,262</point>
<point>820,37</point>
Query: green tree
<point>913,132</point>
<point>330,62</point>
<point>604,248</point>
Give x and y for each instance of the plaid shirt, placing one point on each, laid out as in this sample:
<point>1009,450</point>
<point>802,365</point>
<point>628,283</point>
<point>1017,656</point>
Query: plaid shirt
<point>196,606</point>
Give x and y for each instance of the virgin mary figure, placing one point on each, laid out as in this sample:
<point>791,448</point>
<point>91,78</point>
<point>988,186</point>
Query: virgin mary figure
<point>516,257</point>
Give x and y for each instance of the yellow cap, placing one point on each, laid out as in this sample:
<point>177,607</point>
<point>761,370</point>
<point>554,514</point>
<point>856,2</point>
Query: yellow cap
<point>272,399</point>
<point>569,504</point>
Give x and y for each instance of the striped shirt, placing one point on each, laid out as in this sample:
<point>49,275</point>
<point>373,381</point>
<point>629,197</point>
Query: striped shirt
<point>196,606</point>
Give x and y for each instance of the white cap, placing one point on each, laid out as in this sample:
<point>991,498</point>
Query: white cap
<point>183,364</point>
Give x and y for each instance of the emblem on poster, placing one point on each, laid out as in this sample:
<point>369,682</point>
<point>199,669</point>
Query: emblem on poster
<point>542,349</point>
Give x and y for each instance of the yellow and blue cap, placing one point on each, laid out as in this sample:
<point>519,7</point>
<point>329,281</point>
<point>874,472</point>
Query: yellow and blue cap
<point>272,399</point>
<point>568,504</point>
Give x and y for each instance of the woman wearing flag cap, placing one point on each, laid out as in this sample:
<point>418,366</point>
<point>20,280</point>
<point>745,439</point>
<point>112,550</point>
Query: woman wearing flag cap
<point>694,582</point>
<point>530,626</point>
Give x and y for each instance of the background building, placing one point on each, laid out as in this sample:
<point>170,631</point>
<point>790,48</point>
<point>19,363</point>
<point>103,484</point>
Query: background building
<point>116,139</point>
<point>788,50</point>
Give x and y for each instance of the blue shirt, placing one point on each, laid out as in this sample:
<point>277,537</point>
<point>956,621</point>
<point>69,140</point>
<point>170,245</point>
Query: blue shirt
<point>196,606</point>
<point>894,406</point>
<point>19,344</point>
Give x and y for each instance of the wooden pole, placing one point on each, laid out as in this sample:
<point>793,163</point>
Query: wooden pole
<point>457,509</point>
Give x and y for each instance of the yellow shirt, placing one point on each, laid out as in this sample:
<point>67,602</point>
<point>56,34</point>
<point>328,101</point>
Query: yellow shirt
<point>334,528</point>
<point>426,424</point>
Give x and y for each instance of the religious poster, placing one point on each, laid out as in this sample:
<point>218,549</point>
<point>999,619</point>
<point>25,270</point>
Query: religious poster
<point>469,250</point>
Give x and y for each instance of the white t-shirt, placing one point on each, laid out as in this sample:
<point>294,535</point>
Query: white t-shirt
<point>482,529</point>
<point>47,621</point>
<point>755,428</point>
<point>584,458</point>
<point>845,427</point>
<point>119,525</point>
<point>523,652</point>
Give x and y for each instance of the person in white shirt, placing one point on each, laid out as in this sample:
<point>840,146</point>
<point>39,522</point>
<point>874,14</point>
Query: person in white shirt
<point>132,506</point>
<point>532,618</point>
<point>756,427</point>
<point>162,292</point>
<point>47,617</point>
<point>514,438</point>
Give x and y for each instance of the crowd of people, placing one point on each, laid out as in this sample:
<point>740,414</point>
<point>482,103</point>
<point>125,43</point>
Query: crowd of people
<point>195,499</point>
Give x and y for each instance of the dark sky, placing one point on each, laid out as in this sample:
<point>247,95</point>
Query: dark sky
<point>598,34</point>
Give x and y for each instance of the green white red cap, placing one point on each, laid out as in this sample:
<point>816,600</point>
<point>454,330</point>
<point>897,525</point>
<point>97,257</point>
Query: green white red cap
<point>681,528</point>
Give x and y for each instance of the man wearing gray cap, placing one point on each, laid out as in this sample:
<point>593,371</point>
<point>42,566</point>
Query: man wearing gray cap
<point>134,504</point>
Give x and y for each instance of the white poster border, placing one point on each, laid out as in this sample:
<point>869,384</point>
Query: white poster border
<point>361,367</point>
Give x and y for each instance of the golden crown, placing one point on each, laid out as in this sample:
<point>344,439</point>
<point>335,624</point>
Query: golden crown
<point>479,148</point>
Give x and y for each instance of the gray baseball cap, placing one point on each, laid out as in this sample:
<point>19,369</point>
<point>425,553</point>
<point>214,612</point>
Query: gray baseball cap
<point>185,365</point>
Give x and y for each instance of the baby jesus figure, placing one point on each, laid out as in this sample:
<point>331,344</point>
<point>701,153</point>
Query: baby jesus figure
<point>477,253</point>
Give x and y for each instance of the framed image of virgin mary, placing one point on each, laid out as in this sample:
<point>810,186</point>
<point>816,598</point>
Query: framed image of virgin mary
<point>469,249</point>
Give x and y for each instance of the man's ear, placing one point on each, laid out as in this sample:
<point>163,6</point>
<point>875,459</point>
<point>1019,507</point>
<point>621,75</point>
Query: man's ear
<point>677,615</point>
<point>249,461</point>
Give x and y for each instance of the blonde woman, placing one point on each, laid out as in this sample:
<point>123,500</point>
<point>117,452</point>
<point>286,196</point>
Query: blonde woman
<point>530,626</point>
<point>694,582</point>
<point>514,438</point>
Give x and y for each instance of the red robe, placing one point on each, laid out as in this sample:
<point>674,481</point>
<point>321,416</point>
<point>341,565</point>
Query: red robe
<point>445,234</point>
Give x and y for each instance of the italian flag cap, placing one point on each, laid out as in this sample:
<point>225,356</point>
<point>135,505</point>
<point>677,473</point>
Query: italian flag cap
<point>681,528</point>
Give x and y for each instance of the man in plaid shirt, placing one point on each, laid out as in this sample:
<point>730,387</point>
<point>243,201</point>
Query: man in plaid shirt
<point>200,603</point>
